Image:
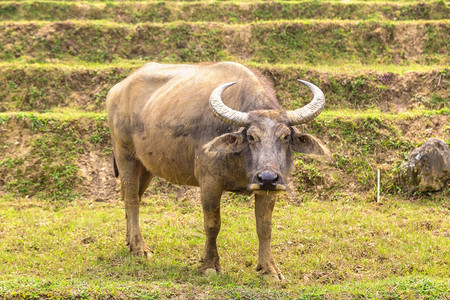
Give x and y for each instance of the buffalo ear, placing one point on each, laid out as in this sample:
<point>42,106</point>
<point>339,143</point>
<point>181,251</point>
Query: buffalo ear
<point>227,143</point>
<point>305,143</point>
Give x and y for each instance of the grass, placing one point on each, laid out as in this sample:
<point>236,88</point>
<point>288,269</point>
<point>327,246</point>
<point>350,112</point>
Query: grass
<point>230,12</point>
<point>60,149</point>
<point>45,163</point>
<point>44,86</point>
<point>339,249</point>
<point>64,115</point>
<point>129,65</point>
<point>322,42</point>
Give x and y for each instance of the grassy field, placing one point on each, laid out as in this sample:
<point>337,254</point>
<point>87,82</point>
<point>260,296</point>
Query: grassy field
<point>384,68</point>
<point>328,249</point>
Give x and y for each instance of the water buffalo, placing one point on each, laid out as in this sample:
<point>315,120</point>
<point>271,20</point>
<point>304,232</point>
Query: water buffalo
<point>185,123</point>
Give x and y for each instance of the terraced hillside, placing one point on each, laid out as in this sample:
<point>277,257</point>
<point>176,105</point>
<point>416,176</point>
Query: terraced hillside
<point>384,68</point>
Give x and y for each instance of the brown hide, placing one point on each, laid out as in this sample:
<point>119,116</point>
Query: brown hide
<point>161,113</point>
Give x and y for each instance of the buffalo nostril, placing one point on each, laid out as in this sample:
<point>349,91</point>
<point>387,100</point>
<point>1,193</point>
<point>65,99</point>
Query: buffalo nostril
<point>267,177</point>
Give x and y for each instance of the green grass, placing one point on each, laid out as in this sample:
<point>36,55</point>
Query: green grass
<point>311,42</point>
<point>47,86</point>
<point>129,65</point>
<point>45,162</point>
<point>326,249</point>
<point>229,12</point>
<point>40,120</point>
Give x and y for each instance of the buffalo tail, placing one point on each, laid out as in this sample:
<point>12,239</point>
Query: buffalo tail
<point>116,170</point>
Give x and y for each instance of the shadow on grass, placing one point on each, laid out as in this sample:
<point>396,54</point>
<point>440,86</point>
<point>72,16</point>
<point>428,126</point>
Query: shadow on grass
<point>123,265</point>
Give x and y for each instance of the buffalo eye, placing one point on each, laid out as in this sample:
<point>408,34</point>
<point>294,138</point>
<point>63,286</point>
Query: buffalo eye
<point>286,137</point>
<point>251,138</point>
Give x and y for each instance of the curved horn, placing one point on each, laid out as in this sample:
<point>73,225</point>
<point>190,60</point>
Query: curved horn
<point>223,112</point>
<point>311,110</point>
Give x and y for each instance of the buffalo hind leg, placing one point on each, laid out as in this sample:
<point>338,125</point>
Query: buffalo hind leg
<point>211,217</point>
<point>263,211</point>
<point>134,180</point>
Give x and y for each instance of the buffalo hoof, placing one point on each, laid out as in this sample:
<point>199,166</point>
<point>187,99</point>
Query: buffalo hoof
<point>271,273</point>
<point>210,265</point>
<point>141,250</point>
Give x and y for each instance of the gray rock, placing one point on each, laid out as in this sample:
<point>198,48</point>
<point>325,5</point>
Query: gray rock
<point>427,168</point>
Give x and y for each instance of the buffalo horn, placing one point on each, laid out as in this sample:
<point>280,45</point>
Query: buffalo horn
<point>311,110</point>
<point>223,112</point>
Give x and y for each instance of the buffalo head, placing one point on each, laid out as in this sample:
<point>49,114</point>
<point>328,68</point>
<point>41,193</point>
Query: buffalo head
<point>267,138</point>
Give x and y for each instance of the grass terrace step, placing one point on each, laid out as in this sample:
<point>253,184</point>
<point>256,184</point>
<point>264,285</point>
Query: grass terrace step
<point>315,42</point>
<point>48,150</point>
<point>233,1</point>
<point>67,154</point>
<point>228,12</point>
<point>47,86</point>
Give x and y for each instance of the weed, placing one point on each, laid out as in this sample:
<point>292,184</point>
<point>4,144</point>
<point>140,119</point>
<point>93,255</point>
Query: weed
<point>357,84</point>
<point>100,133</point>
<point>11,162</point>
<point>438,102</point>
<point>307,175</point>
<point>12,85</point>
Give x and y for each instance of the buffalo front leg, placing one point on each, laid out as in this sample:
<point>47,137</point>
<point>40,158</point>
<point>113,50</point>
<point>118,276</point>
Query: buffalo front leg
<point>211,220</point>
<point>263,211</point>
<point>133,177</point>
